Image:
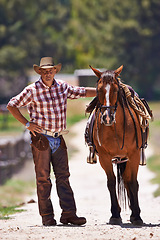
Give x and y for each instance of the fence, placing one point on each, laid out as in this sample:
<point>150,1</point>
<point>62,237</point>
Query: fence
<point>13,154</point>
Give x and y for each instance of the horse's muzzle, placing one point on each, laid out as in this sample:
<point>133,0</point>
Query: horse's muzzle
<point>108,118</point>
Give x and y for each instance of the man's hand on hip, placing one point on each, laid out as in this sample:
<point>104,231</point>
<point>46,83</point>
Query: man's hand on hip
<point>33,127</point>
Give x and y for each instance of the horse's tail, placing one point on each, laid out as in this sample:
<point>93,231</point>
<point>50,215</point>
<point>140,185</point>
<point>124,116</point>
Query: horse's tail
<point>120,184</point>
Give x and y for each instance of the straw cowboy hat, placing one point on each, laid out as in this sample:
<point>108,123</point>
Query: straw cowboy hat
<point>47,62</point>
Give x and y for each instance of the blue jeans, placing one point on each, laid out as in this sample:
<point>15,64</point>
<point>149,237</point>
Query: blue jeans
<point>54,143</point>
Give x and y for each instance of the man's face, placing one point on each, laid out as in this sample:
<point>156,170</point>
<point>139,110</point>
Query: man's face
<point>47,74</point>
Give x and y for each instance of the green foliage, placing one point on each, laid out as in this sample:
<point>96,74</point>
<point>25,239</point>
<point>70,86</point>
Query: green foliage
<point>107,34</point>
<point>77,33</point>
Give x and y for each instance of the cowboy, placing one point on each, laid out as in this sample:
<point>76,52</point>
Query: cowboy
<point>46,101</point>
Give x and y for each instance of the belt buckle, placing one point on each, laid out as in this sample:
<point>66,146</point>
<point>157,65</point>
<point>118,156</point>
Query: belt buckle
<point>56,134</point>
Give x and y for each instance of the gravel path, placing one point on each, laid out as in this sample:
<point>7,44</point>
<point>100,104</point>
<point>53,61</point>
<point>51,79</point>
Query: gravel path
<point>93,202</point>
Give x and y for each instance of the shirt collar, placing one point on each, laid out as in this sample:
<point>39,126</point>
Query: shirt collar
<point>54,83</point>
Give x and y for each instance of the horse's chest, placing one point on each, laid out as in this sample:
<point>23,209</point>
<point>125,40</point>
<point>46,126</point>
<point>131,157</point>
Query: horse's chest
<point>113,139</point>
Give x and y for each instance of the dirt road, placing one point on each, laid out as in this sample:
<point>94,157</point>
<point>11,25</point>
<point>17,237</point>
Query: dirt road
<point>93,202</point>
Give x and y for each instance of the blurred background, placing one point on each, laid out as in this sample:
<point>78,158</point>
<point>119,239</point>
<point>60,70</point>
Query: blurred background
<point>104,34</point>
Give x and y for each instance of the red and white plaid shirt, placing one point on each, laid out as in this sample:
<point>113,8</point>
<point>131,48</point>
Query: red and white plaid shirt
<point>47,106</point>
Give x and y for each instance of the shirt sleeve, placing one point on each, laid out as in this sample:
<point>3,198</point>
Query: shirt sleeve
<point>22,99</point>
<point>76,92</point>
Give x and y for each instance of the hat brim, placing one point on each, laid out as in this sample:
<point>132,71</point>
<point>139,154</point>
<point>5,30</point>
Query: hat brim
<point>37,68</point>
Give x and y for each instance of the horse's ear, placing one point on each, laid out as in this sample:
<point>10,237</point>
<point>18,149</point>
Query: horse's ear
<point>118,70</point>
<point>97,72</point>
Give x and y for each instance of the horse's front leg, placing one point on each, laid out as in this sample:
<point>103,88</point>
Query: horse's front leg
<point>111,184</point>
<point>132,186</point>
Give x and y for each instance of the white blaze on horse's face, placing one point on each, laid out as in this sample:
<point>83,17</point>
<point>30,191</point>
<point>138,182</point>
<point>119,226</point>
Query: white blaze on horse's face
<point>105,85</point>
<point>107,94</point>
<point>107,111</point>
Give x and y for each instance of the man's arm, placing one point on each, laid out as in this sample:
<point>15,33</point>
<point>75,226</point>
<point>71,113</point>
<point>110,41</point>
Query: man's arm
<point>90,92</point>
<point>17,115</point>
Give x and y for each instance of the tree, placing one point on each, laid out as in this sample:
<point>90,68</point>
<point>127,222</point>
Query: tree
<point>105,34</point>
<point>109,33</point>
<point>29,30</point>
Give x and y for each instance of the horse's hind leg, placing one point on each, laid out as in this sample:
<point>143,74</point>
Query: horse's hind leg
<point>111,184</point>
<point>133,187</point>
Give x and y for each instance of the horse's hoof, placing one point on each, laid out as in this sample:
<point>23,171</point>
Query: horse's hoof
<point>115,221</point>
<point>136,222</point>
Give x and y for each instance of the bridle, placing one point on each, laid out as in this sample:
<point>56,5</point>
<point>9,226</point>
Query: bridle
<point>112,109</point>
<point>101,110</point>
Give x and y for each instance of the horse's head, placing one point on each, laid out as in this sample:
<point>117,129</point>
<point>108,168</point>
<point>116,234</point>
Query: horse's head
<point>107,90</point>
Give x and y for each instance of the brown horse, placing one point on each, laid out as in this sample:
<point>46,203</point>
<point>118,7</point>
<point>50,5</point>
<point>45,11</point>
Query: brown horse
<point>117,135</point>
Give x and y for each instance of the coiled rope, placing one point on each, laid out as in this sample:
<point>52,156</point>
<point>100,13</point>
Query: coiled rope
<point>138,106</point>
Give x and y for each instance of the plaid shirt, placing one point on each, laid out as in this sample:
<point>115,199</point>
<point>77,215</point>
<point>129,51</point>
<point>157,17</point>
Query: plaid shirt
<point>47,106</point>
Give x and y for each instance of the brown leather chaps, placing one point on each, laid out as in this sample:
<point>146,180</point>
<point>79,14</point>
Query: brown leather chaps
<point>43,161</point>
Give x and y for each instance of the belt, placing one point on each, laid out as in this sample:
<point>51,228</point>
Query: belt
<point>55,134</point>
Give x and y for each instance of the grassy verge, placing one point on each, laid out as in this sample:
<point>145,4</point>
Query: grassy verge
<point>5,212</point>
<point>9,126</point>
<point>154,165</point>
<point>12,195</point>
<point>154,161</point>
<point>76,111</point>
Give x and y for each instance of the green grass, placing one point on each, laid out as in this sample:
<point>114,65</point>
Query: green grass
<point>5,212</point>
<point>74,119</point>
<point>154,161</point>
<point>10,126</point>
<point>76,110</point>
<point>12,195</point>
<point>154,166</point>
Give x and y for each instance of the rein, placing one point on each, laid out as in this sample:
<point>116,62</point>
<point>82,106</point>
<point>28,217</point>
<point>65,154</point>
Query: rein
<point>101,107</point>
<point>131,114</point>
<point>124,128</point>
